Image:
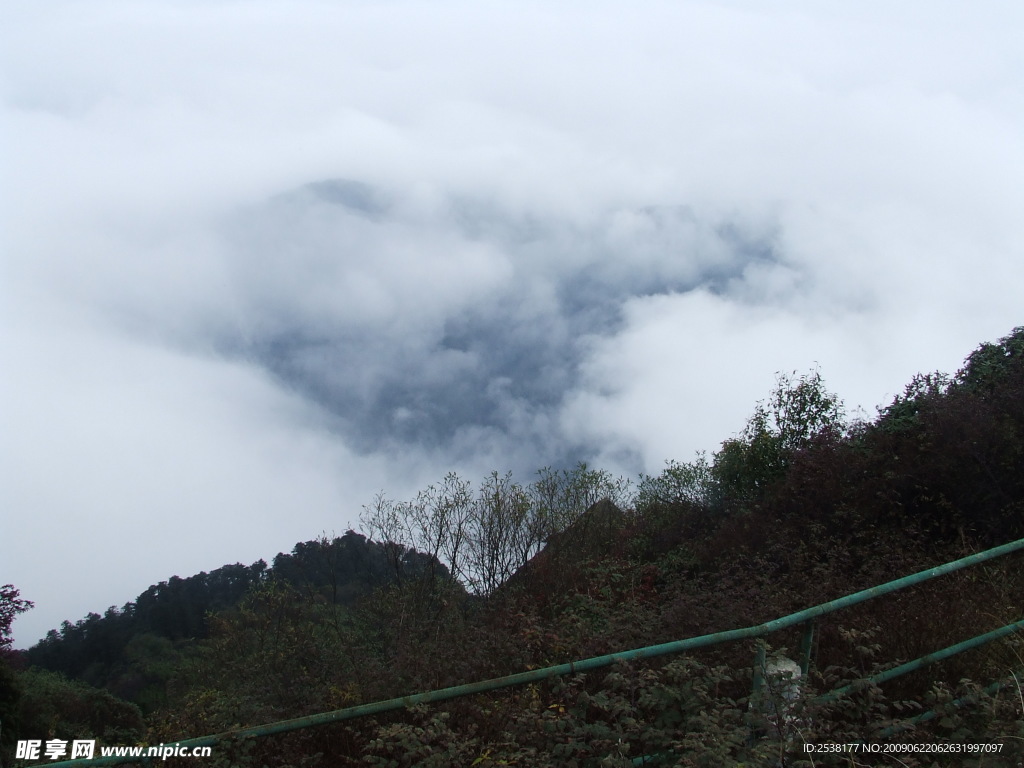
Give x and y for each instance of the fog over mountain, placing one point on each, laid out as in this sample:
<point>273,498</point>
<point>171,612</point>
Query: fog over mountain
<point>260,261</point>
<point>458,326</point>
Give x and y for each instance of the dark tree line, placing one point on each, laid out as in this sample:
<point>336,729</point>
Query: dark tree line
<point>133,650</point>
<point>175,609</point>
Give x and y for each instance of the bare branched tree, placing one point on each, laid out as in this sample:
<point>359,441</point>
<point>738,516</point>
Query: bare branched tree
<point>485,537</point>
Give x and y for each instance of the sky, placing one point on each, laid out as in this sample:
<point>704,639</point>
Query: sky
<point>261,260</point>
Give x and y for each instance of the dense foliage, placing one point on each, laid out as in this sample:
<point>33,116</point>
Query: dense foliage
<point>134,651</point>
<point>11,604</point>
<point>465,583</point>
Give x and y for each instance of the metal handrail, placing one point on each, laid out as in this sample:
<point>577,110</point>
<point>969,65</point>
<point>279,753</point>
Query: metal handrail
<point>678,646</point>
<point>955,704</point>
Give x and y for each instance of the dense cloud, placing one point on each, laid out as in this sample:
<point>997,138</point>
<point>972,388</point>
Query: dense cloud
<point>462,327</point>
<point>262,260</point>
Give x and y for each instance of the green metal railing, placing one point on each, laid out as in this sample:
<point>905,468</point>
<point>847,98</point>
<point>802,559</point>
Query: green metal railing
<point>806,617</point>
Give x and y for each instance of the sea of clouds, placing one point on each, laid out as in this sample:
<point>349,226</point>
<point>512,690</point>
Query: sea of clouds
<point>261,260</point>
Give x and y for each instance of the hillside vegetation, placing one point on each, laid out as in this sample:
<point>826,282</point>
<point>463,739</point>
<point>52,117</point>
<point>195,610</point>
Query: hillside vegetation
<point>467,582</point>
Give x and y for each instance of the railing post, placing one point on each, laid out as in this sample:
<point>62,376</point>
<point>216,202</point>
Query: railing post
<point>759,664</point>
<point>807,646</point>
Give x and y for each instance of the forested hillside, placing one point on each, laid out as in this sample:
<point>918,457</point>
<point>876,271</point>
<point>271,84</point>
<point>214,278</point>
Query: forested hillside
<point>467,582</point>
<point>134,650</point>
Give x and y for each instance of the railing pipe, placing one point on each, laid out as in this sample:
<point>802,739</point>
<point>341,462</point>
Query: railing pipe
<point>924,661</point>
<point>956,704</point>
